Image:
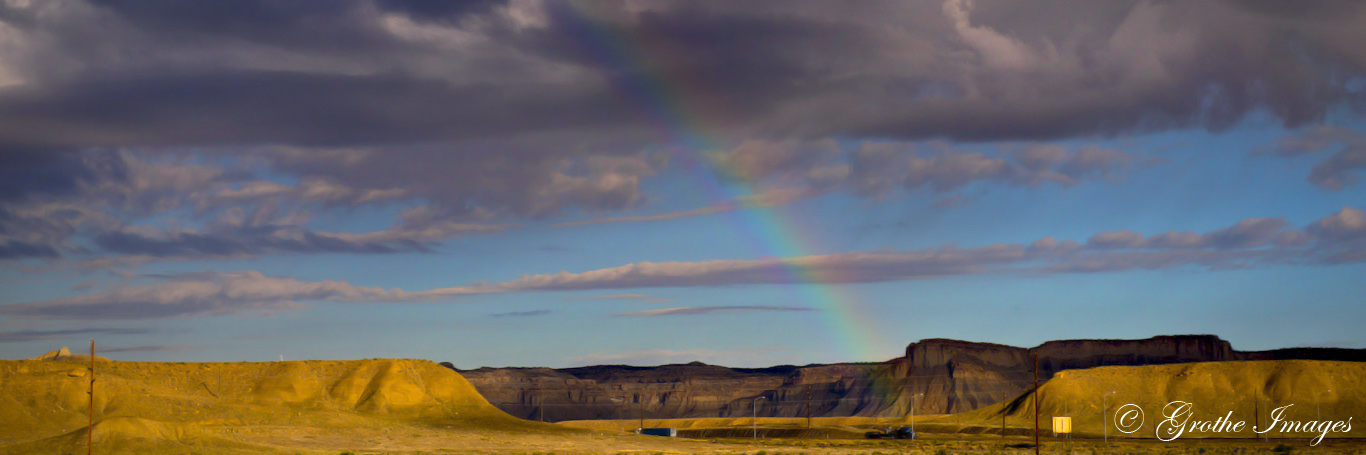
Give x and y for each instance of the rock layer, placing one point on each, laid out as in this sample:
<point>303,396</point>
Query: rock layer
<point>936,376</point>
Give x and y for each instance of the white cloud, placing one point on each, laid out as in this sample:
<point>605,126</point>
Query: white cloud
<point>1347,224</point>
<point>998,51</point>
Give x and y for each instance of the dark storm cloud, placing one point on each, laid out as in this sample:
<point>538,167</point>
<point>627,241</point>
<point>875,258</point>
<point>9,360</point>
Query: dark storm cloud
<point>485,111</point>
<point>230,107</point>
<point>96,208</point>
<point>987,70</point>
<point>241,242</point>
<point>360,72</point>
<point>287,22</point>
<point>11,249</point>
<point>23,172</point>
<point>427,10</point>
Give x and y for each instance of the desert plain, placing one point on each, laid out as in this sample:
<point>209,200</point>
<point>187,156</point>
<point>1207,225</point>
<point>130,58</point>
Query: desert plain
<point>402,406</point>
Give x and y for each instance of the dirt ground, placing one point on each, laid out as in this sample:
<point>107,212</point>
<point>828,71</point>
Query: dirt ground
<point>407,439</point>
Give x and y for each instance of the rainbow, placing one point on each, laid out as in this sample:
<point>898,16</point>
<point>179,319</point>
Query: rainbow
<point>656,97</point>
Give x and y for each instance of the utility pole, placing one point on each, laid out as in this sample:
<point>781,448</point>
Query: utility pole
<point>957,421</point>
<point>1317,415</point>
<point>1036,404</point>
<point>808,406</point>
<point>641,399</point>
<point>617,411</point>
<point>754,424</point>
<point>1104,414</point>
<point>90,432</point>
<point>913,415</point>
<point>1256,414</point>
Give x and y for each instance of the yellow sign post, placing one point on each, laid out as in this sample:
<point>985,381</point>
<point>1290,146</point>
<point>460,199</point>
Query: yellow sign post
<point>1062,425</point>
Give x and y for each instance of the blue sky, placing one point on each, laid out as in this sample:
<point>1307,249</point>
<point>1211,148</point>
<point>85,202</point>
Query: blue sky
<point>551,225</point>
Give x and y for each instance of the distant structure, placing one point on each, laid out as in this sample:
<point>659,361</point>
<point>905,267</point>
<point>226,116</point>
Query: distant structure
<point>65,354</point>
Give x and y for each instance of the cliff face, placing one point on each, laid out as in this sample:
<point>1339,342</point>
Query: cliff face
<point>623,392</point>
<point>1074,354</point>
<point>956,376</point>
<point>935,376</point>
<point>522,392</point>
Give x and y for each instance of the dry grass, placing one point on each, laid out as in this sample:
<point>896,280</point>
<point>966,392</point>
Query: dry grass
<point>275,407</point>
<point>418,407</point>
<point>1215,388</point>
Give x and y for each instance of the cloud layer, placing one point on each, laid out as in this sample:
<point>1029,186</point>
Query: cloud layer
<point>199,131</point>
<point>264,73</point>
<point>1346,150</point>
<point>16,336</point>
<point>699,310</point>
<point>1255,242</point>
<point>97,204</point>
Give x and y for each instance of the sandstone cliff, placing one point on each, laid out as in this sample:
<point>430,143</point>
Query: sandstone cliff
<point>936,376</point>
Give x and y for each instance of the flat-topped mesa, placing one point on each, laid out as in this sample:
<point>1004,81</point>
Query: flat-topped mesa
<point>1070,354</point>
<point>935,376</point>
<point>1075,354</point>
<point>621,391</point>
<point>936,352</point>
<point>1337,354</point>
<point>954,375</point>
<point>827,374</point>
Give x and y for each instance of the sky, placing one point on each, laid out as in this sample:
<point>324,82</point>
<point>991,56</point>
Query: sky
<point>526,183</point>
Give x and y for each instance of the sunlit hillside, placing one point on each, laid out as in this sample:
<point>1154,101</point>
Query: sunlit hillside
<point>1331,390</point>
<point>144,407</point>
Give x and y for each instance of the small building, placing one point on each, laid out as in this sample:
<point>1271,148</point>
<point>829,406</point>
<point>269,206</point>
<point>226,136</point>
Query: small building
<point>666,432</point>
